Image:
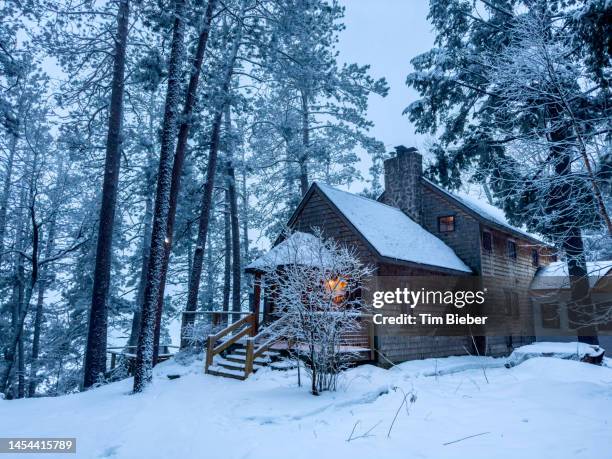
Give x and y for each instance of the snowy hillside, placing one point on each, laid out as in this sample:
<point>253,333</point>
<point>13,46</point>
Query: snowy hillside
<point>544,407</point>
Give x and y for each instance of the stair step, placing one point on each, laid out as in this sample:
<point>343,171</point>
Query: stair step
<point>219,371</point>
<point>236,366</point>
<point>239,358</point>
<point>240,351</point>
<point>230,366</point>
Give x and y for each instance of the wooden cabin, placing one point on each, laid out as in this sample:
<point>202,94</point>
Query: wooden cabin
<point>416,228</point>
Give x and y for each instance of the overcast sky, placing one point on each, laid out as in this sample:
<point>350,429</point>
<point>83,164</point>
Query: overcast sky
<point>387,34</point>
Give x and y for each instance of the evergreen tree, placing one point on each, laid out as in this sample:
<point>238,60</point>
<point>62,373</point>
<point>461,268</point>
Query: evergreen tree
<point>513,103</point>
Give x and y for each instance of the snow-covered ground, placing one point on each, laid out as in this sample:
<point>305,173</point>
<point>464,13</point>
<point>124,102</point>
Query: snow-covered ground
<point>543,407</point>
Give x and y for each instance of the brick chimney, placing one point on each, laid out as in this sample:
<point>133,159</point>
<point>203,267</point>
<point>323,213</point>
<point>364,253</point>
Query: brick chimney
<point>403,182</point>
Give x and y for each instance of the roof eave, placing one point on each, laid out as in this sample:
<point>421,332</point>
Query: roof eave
<point>397,261</point>
<point>481,219</point>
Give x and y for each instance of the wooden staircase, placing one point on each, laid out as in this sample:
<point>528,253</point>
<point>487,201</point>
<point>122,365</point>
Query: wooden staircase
<point>234,363</point>
<point>238,350</point>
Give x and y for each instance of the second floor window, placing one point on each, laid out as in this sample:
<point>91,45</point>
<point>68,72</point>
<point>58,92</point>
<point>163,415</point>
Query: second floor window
<point>535,257</point>
<point>512,250</point>
<point>446,224</point>
<point>487,241</point>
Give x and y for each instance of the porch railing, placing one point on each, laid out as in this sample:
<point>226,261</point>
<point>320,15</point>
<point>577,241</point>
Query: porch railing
<point>128,355</point>
<point>238,330</point>
<point>197,325</point>
<point>257,345</point>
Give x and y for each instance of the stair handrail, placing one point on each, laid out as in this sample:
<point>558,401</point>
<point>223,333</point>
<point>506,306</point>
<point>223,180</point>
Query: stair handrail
<point>252,353</point>
<point>211,350</point>
<point>274,325</point>
<point>232,327</point>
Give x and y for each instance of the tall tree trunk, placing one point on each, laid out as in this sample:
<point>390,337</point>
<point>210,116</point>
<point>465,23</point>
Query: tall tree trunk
<point>6,190</point>
<point>245,212</point>
<point>233,214</point>
<point>18,287</point>
<point>581,309</point>
<point>147,221</point>
<point>236,256</point>
<point>43,275</point>
<point>95,354</point>
<point>146,247</point>
<point>43,282</point>
<point>227,257</point>
<point>179,160</point>
<point>210,278</point>
<point>198,256</point>
<point>21,306</point>
<point>145,353</point>
<point>303,161</point>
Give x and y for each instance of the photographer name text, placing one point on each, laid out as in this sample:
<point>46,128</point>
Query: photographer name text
<point>413,298</point>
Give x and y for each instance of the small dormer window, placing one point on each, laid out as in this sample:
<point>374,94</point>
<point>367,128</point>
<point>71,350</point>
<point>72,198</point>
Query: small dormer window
<point>535,257</point>
<point>487,241</point>
<point>511,250</point>
<point>446,224</point>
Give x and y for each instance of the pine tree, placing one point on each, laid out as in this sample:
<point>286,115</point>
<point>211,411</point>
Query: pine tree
<point>95,356</point>
<point>145,351</point>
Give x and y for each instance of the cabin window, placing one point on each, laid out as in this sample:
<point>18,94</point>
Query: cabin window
<point>508,302</point>
<point>550,315</point>
<point>512,308</point>
<point>511,249</point>
<point>336,286</point>
<point>553,257</point>
<point>487,241</point>
<point>535,257</point>
<point>516,310</point>
<point>446,224</point>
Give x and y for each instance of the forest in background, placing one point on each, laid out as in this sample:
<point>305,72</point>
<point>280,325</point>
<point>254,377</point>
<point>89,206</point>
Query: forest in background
<point>137,183</point>
<point>147,146</point>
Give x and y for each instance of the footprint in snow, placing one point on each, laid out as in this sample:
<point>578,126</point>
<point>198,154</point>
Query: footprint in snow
<point>110,451</point>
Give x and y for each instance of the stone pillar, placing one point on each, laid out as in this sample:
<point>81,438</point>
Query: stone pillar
<point>403,187</point>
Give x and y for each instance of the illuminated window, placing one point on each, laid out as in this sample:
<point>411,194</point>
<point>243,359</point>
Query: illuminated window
<point>337,288</point>
<point>446,224</point>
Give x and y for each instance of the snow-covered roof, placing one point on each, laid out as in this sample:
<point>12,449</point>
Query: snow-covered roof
<point>391,232</point>
<point>485,210</point>
<point>298,248</point>
<point>554,276</point>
